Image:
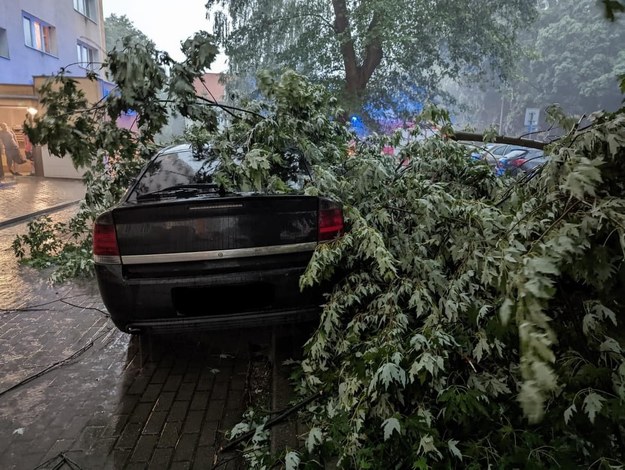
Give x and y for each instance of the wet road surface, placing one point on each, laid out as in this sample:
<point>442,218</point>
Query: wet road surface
<point>77,393</point>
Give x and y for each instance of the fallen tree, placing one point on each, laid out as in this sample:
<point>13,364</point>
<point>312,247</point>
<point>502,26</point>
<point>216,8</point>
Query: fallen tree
<point>478,321</point>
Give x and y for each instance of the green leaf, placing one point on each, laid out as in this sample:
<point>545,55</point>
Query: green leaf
<point>292,460</point>
<point>315,437</point>
<point>589,323</point>
<point>481,347</point>
<point>568,413</point>
<point>610,345</point>
<point>604,312</point>
<point>390,372</point>
<point>544,265</point>
<point>584,178</point>
<point>451,445</point>
<point>390,426</point>
<point>593,403</point>
<point>426,446</point>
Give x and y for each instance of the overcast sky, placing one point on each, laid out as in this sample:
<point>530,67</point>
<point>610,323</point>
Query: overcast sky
<point>167,23</point>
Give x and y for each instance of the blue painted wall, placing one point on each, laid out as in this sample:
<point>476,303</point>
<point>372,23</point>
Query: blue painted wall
<point>70,27</point>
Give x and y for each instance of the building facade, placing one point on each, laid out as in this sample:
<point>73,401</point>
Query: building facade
<point>37,39</point>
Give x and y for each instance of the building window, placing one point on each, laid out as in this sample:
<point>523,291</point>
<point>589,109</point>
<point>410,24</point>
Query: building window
<point>38,34</point>
<point>86,56</point>
<point>4,43</point>
<point>85,7</point>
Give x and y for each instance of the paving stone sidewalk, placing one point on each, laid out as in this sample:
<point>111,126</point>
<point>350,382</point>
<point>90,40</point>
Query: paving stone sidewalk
<point>22,196</point>
<point>115,401</point>
<point>77,393</point>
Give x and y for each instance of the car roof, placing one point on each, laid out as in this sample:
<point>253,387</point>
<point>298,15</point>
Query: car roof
<point>515,153</point>
<point>175,148</point>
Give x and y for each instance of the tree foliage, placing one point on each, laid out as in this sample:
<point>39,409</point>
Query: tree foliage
<point>476,322</point>
<point>576,63</point>
<point>571,58</point>
<point>116,28</point>
<point>378,51</point>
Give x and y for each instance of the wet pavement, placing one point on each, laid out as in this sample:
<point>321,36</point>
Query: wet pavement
<point>22,196</point>
<point>77,393</point>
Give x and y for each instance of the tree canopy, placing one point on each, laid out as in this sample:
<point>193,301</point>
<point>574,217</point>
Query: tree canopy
<point>382,52</point>
<point>578,58</point>
<point>572,58</point>
<point>118,27</point>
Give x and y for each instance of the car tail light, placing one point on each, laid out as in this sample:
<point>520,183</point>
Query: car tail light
<point>518,162</point>
<point>105,249</point>
<point>330,224</point>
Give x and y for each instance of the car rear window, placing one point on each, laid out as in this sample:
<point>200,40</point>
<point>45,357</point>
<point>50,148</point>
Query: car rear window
<point>174,168</point>
<point>179,166</point>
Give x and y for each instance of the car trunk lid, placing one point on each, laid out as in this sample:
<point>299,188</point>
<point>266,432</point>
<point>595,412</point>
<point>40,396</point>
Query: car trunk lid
<point>225,227</point>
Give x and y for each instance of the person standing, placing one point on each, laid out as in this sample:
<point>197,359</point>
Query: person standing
<point>11,149</point>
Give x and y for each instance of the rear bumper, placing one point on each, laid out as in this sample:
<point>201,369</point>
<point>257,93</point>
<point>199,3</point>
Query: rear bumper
<point>215,301</point>
<point>223,322</point>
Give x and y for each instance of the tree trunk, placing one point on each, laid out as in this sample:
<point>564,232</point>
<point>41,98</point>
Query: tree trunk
<point>357,75</point>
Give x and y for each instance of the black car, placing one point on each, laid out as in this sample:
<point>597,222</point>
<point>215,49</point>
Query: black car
<point>179,252</point>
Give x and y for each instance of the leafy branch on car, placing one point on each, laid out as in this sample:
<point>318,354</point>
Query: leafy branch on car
<point>468,320</point>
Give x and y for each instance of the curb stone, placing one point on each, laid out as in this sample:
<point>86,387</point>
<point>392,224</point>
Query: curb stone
<point>32,215</point>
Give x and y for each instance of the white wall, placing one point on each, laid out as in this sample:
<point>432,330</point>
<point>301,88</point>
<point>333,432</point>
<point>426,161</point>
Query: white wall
<point>55,167</point>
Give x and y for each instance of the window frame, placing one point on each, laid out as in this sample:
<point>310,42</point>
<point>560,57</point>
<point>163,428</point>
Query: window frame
<point>38,34</point>
<point>86,8</point>
<point>92,52</point>
<point>4,44</point>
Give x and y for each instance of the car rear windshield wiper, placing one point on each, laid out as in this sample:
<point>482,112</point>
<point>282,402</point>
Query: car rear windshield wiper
<point>181,190</point>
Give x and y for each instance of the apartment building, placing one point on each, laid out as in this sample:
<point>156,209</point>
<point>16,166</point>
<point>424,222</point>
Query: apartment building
<point>37,39</point>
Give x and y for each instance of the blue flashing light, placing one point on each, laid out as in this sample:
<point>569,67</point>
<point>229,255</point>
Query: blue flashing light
<point>357,125</point>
